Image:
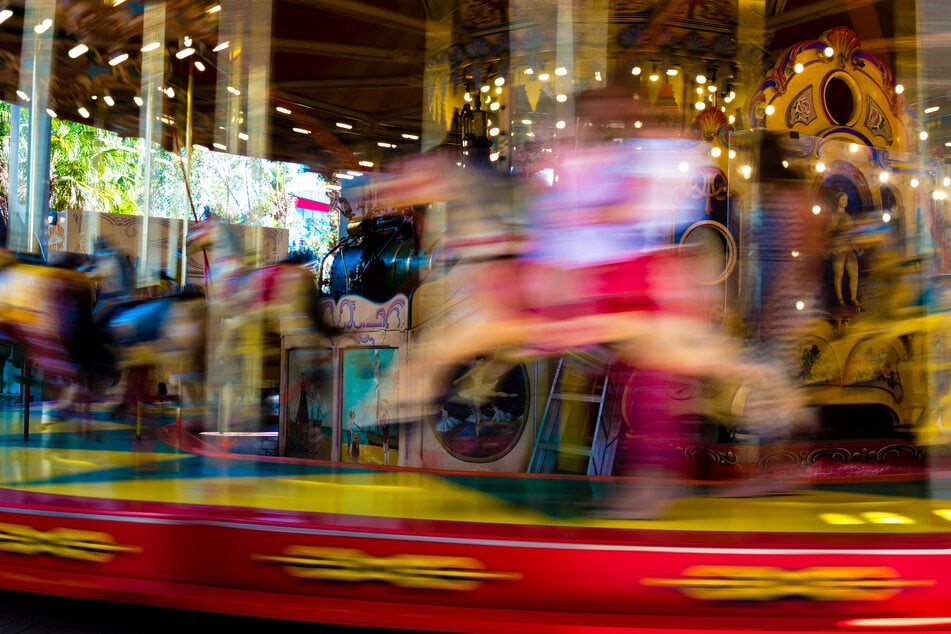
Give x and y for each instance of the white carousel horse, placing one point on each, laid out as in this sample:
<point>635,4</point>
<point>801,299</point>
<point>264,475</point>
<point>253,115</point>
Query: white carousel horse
<point>589,274</point>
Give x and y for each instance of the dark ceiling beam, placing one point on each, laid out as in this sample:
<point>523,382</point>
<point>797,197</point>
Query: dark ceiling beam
<point>320,134</point>
<point>367,13</point>
<point>392,81</point>
<point>401,117</point>
<point>405,120</point>
<point>345,113</point>
<point>814,11</point>
<point>348,51</point>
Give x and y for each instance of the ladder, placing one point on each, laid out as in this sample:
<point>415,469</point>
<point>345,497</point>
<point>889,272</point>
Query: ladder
<point>572,437</point>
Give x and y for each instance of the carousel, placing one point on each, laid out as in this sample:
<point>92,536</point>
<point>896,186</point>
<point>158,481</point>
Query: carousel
<point>688,368</point>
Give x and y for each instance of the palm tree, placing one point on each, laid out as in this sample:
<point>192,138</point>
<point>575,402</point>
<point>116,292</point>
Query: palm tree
<point>92,169</point>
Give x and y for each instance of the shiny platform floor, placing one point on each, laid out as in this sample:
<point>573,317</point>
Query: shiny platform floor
<point>89,508</point>
<point>104,459</point>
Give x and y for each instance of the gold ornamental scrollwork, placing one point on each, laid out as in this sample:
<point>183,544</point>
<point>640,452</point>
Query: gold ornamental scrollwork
<point>770,583</point>
<point>431,572</point>
<point>68,543</point>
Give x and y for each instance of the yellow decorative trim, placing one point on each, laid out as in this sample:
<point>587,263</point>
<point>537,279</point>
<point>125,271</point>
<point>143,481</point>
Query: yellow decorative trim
<point>431,572</point>
<point>68,543</point>
<point>769,583</point>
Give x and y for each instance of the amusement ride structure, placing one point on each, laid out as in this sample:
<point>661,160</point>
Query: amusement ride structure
<point>628,366</point>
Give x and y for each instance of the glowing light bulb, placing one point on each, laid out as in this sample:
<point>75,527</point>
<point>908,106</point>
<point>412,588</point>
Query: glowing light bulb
<point>77,50</point>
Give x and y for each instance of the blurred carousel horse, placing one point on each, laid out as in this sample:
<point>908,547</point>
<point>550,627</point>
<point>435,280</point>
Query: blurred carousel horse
<point>250,309</point>
<point>593,268</point>
<point>48,311</point>
<point>282,295</point>
<point>145,338</point>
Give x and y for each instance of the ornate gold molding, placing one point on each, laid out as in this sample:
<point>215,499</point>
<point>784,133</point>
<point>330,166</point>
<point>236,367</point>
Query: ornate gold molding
<point>431,572</point>
<point>771,583</point>
<point>68,543</point>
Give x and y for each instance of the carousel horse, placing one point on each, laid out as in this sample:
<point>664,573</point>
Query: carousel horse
<point>592,267</point>
<point>48,311</point>
<point>249,311</point>
<point>283,296</point>
<point>144,337</point>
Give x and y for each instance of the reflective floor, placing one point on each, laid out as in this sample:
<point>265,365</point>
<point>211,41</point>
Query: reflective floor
<point>102,458</point>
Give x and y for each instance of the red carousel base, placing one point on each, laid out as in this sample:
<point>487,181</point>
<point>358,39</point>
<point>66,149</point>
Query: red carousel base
<point>469,552</point>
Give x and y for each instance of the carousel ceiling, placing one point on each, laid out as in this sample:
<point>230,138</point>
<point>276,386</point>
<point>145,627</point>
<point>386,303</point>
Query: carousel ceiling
<point>344,79</point>
<point>341,77</point>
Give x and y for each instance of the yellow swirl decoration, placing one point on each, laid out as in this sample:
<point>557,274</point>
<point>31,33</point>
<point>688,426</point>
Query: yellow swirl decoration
<point>769,583</point>
<point>68,543</point>
<point>430,572</point>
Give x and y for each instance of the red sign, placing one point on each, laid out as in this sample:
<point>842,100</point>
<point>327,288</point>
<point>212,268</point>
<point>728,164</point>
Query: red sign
<point>305,203</point>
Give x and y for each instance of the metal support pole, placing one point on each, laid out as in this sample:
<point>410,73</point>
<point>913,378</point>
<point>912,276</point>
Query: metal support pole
<point>27,380</point>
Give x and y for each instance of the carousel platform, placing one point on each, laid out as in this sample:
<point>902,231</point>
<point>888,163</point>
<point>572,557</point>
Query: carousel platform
<point>89,508</point>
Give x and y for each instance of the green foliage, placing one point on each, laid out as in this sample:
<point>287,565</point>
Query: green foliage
<point>91,169</point>
<point>97,170</point>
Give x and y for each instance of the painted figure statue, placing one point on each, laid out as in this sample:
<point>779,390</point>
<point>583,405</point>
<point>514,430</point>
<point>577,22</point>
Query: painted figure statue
<point>842,251</point>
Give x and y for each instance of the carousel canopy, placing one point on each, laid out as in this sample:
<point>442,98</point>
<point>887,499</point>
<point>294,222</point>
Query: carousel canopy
<point>342,84</point>
<point>326,80</point>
